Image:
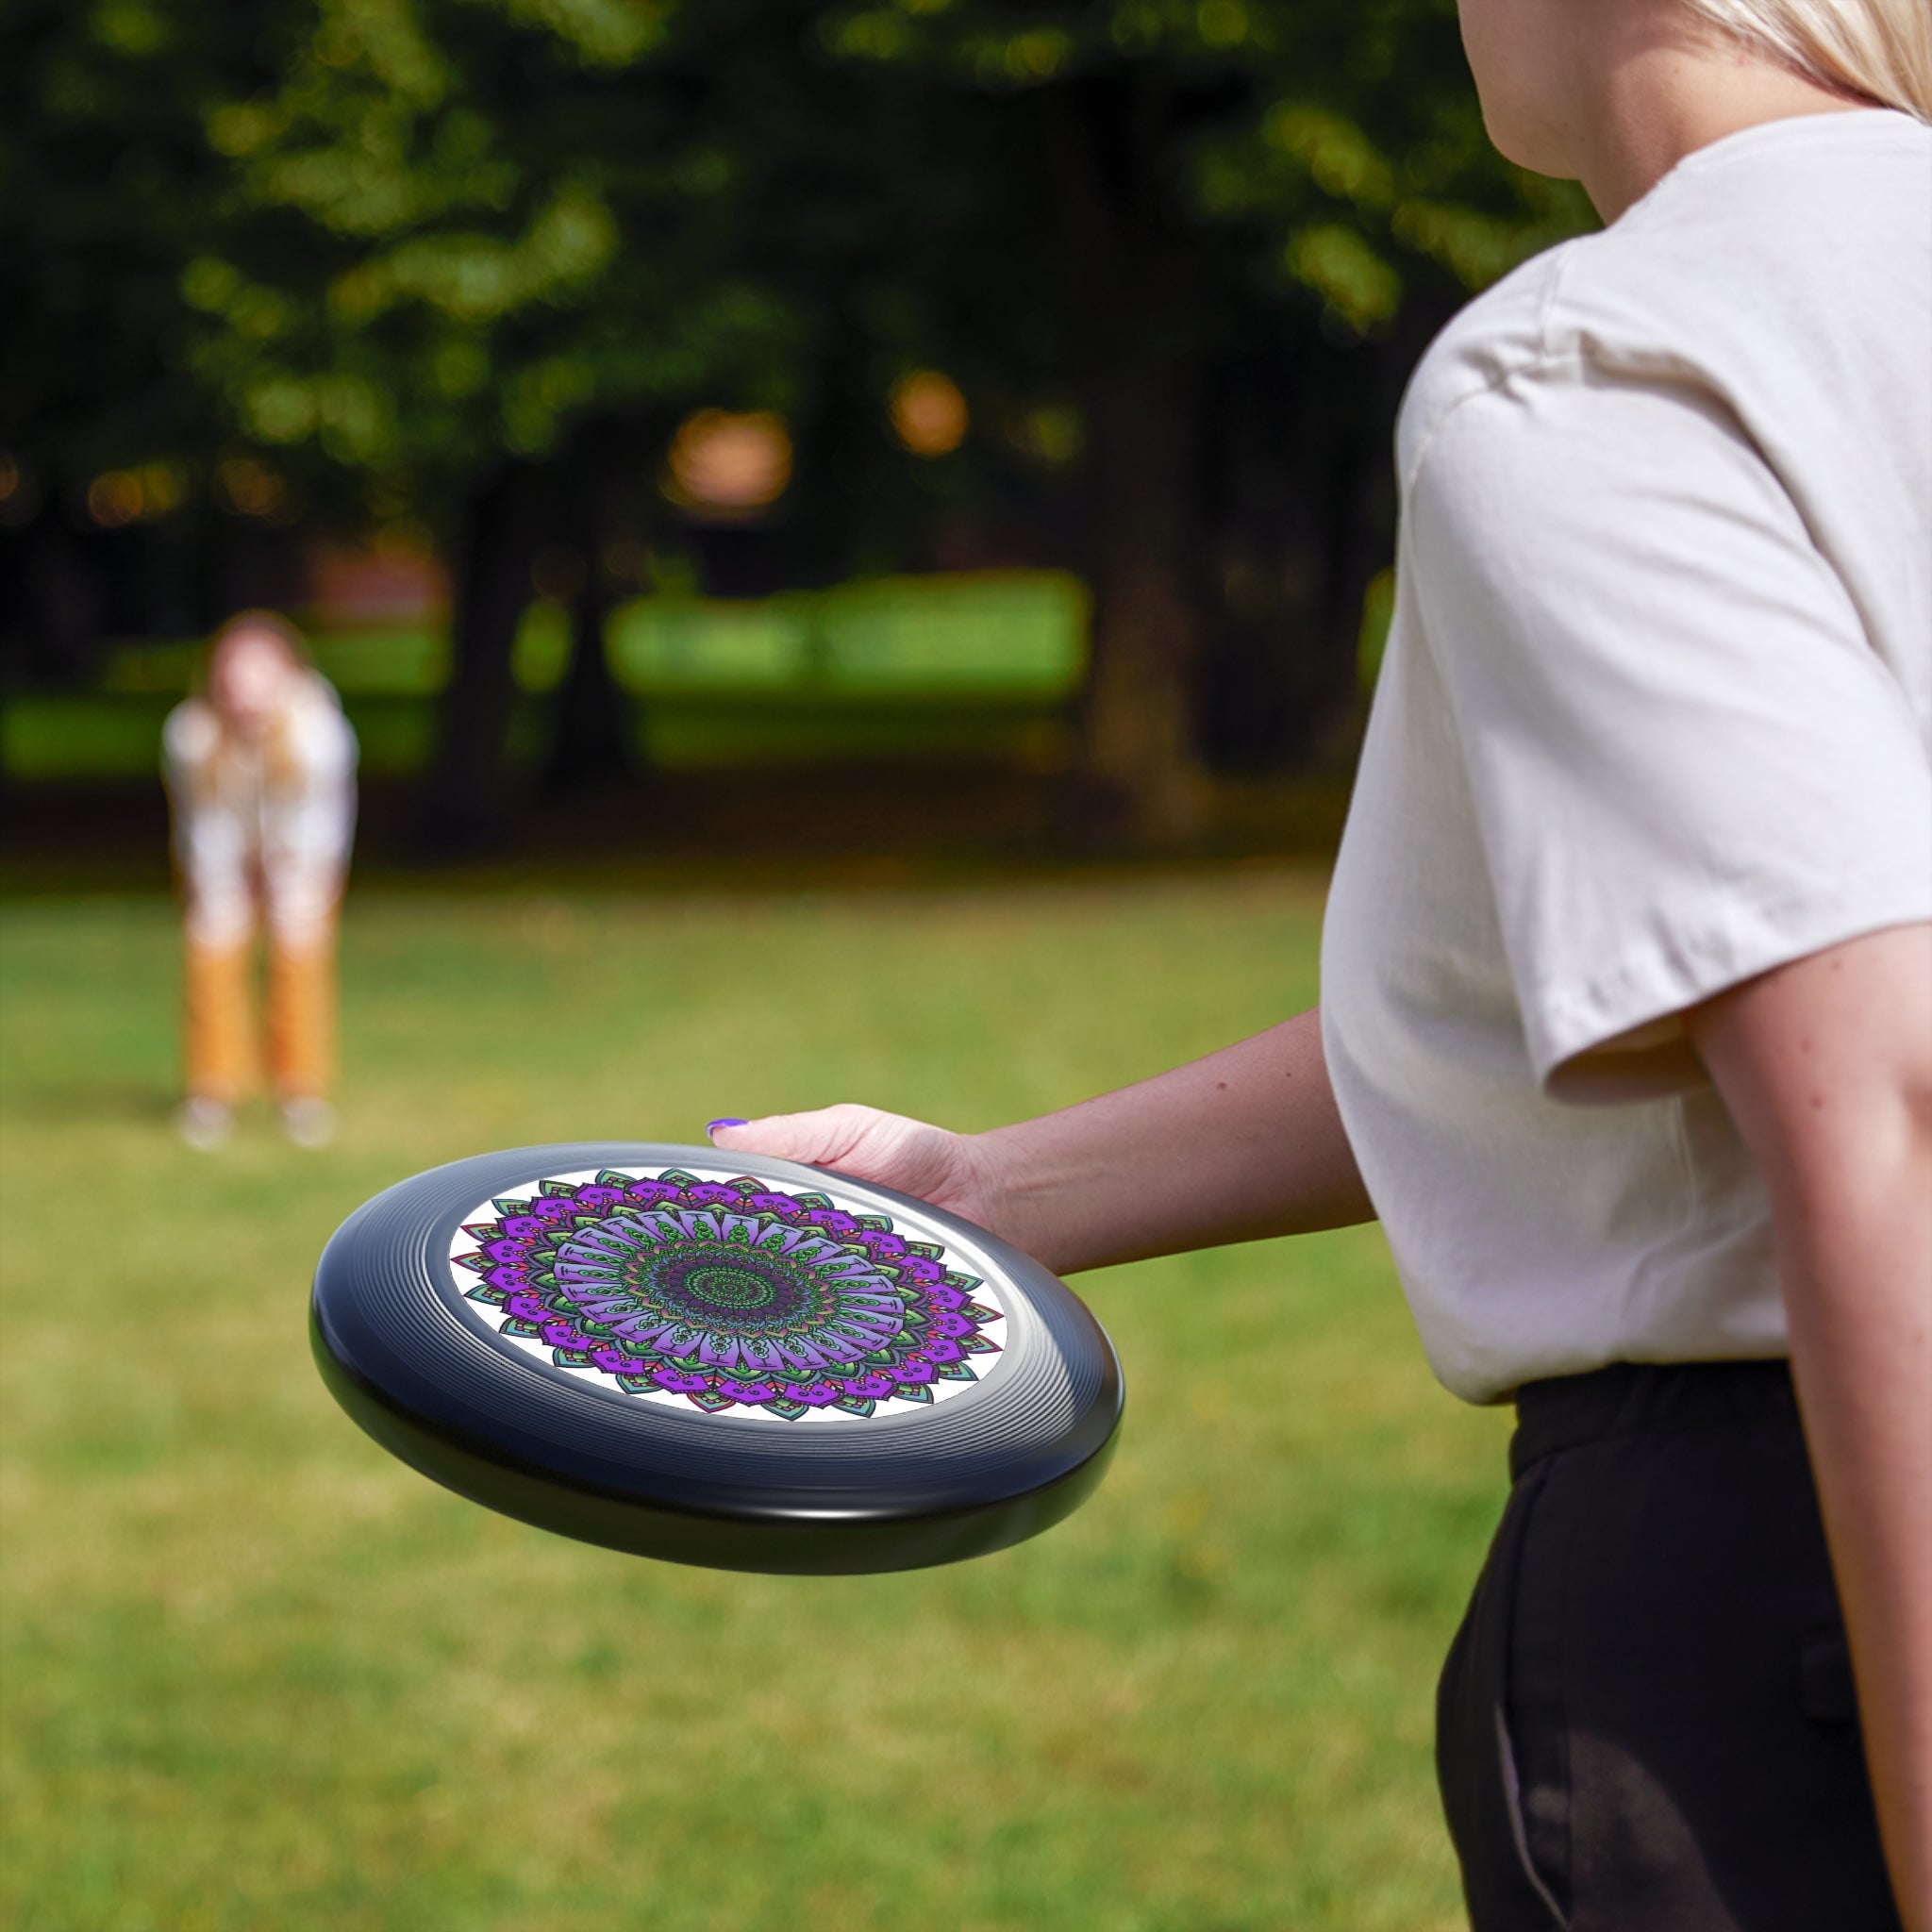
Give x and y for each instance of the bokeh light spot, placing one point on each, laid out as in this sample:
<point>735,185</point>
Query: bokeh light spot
<point>1049,433</point>
<point>114,499</point>
<point>929,415</point>
<point>250,488</point>
<point>728,464</point>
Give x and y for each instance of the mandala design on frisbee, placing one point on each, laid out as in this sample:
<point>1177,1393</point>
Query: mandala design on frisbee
<point>726,1295</point>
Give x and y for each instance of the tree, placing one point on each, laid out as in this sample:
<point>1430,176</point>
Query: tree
<point>490,238</point>
<point>1218,202</point>
<point>110,190</point>
<point>469,262</point>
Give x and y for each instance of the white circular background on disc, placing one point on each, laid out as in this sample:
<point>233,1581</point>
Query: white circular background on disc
<point>708,1291</point>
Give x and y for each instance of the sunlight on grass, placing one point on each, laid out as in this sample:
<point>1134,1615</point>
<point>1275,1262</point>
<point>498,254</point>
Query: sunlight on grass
<point>259,1675</point>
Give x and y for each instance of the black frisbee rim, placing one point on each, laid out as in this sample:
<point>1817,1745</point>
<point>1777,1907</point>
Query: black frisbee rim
<point>994,1465</point>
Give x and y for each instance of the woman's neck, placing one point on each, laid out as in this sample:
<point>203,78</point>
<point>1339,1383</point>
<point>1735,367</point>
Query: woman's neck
<point>1656,96</point>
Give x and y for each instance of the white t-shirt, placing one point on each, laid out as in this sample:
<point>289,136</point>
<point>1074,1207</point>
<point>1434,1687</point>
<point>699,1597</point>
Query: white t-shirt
<point>245,830</point>
<point>1655,716</point>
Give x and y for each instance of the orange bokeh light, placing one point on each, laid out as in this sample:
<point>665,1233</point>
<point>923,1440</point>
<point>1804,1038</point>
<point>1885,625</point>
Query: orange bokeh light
<point>929,415</point>
<point>251,489</point>
<point>728,464</point>
<point>115,499</point>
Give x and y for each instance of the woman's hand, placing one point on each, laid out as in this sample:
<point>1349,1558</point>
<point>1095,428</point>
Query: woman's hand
<point>1237,1147</point>
<point>949,1170</point>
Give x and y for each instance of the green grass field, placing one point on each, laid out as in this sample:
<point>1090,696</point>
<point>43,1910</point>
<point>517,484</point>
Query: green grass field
<point>257,1674</point>
<point>982,664</point>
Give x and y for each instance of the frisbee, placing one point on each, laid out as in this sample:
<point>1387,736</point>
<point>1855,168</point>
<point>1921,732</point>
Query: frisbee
<point>715,1359</point>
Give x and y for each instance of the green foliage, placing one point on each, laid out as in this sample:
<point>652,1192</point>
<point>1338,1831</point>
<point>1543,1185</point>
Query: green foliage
<point>498,239</point>
<point>259,1674</point>
<point>107,188</point>
<point>1347,133</point>
<point>396,239</point>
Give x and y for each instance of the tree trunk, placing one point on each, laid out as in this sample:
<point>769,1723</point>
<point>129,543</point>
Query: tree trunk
<point>1141,743</point>
<point>63,605</point>
<point>594,744</point>
<point>468,800</point>
<point>1134,308</point>
<point>590,744</point>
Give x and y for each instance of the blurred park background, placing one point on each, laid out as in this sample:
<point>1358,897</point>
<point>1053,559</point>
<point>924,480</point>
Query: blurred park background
<point>855,539</point>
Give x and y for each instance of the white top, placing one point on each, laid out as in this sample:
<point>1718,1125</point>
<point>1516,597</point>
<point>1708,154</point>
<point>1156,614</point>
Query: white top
<point>1655,716</point>
<point>267,821</point>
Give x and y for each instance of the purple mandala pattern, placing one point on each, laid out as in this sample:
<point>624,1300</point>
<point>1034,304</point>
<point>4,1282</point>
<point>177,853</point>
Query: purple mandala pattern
<point>728,1295</point>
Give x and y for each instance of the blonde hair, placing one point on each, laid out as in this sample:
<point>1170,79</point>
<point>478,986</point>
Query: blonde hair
<point>1879,50</point>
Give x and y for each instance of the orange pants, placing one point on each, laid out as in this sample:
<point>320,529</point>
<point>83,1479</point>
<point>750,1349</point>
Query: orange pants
<point>219,1029</point>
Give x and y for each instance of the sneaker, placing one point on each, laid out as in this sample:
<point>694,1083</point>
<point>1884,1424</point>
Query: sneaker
<point>308,1121</point>
<point>204,1123</point>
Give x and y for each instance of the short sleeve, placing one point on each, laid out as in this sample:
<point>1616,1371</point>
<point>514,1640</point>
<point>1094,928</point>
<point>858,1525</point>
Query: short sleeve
<point>1687,761</point>
<point>322,738</point>
<point>188,742</point>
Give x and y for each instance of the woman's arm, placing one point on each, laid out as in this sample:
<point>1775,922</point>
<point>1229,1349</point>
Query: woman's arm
<point>1826,1068</point>
<point>1240,1145</point>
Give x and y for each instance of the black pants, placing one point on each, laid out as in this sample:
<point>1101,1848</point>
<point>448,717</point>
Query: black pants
<point>1646,1721</point>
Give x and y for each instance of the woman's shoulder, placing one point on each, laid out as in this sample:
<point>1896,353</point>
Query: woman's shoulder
<point>316,696</point>
<point>191,733</point>
<point>1788,253</point>
<point>1494,338</point>
<point>321,736</point>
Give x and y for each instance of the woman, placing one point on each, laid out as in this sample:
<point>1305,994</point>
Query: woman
<point>261,769</point>
<point>1627,1020</point>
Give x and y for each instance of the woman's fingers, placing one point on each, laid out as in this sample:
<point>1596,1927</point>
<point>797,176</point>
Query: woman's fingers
<point>859,1141</point>
<point>818,1138</point>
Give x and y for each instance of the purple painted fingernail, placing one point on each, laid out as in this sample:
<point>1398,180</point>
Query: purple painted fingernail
<point>713,1127</point>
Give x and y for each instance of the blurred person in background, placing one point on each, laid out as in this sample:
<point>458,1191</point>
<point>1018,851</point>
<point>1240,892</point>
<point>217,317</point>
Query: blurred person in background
<point>261,768</point>
<point>1626,1021</point>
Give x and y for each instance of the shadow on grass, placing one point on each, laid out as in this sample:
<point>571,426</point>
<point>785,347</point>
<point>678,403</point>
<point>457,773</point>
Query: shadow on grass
<point>773,829</point>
